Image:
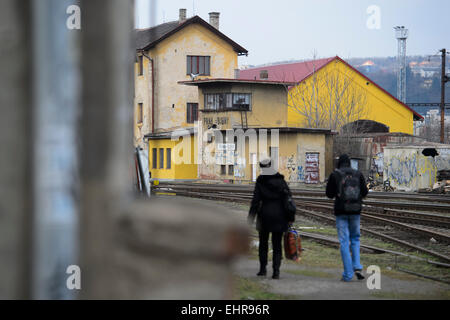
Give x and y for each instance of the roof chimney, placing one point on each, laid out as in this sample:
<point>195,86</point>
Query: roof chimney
<point>214,19</point>
<point>182,15</point>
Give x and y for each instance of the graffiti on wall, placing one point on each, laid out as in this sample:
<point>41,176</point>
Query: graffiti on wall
<point>300,173</point>
<point>239,167</point>
<point>410,172</point>
<point>402,170</point>
<point>377,163</point>
<point>291,170</point>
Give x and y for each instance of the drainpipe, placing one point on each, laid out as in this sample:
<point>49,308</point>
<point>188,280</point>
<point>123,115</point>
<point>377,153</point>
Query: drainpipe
<point>153,90</point>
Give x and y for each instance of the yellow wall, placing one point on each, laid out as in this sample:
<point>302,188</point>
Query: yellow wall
<point>183,171</point>
<point>170,67</point>
<point>143,94</point>
<point>380,106</point>
<point>293,148</point>
<point>268,106</point>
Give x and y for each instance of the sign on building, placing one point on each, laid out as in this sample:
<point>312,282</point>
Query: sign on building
<point>312,175</point>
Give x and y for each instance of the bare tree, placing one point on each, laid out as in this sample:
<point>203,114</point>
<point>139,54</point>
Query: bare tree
<point>330,98</point>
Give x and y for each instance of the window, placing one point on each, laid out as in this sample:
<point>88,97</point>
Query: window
<point>140,113</point>
<point>198,65</point>
<point>228,101</point>
<point>192,112</point>
<point>154,158</point>
<point>161,158</point>
<point>241,101</point>
<point>217,101</point>
<point>230,170</point>
<point>168,158</point>
<point>141,65</point>
<point>223,170</point>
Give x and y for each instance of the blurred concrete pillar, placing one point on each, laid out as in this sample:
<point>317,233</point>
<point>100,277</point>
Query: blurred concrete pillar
<point>56,80</point>
<point>15,137</point>
<point>107,145</point>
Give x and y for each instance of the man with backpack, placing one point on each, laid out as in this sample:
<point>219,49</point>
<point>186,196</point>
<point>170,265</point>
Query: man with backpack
<point>348,187</point>
<point>272,214</point>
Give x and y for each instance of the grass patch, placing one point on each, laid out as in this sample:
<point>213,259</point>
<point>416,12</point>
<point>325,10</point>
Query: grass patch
<point>317,255</point>
<point>247,289</point>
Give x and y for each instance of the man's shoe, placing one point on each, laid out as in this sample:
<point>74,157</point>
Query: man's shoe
<point>359,275</point>
<point>276,275</point>
<point>343,280</point>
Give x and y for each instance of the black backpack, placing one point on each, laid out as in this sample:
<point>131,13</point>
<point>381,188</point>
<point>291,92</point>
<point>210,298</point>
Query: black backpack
<point>348,190</point>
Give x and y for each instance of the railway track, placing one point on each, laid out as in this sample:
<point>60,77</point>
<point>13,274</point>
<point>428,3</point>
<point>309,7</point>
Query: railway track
<point>415,213</point>
<point>415,197</point>
<point>321,210</point>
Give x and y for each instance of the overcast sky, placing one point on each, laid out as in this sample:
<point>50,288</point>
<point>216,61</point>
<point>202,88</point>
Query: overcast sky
<point>294,29</point>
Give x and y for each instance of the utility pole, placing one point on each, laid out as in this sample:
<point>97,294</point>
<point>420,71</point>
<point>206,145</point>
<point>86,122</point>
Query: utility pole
<point>444,79</point>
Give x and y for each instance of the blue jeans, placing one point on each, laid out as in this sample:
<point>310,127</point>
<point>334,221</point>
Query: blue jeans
<point>349,234</point>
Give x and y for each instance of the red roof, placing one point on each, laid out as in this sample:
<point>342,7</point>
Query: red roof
<point>291,72</point>
<point>298,72</point>
<point>226,80</point>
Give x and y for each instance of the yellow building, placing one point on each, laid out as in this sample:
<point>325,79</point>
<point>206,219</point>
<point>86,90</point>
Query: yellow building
<point>173,52</point>
<point>242,121</point>
<point>172,155</point>
<point>329,93</point>
<point>166,54</point>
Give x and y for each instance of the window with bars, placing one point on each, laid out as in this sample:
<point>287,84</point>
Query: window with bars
<point>192,112</point>
<point>223,170</point>
<point>228,101</point>
<point>161,158</point>
<point>199,65</point>
<point>168,158</point>
<point>154,158</point>
<point>241,101</point>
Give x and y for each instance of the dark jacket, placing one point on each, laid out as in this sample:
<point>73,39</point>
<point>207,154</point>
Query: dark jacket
<point>332,185</point>
<point>267,204</point>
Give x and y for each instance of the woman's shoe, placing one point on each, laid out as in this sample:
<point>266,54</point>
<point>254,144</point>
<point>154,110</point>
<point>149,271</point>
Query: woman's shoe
<point>262,272</point>
<point>276,274</point>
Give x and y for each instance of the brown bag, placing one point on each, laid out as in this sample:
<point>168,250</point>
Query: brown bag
<point>292,245</point>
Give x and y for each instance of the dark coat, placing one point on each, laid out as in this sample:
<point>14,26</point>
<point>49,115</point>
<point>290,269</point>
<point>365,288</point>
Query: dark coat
<point>267,204</point>
<point>332,186</point>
